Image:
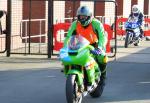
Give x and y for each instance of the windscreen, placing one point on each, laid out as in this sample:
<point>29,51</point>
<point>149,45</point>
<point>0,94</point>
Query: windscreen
<point>77,41</point>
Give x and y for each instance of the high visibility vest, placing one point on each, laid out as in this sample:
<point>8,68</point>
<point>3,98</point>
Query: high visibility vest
<point>87,32</point>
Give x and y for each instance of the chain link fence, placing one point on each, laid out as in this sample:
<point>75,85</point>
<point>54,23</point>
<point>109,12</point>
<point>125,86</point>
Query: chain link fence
<point>32,22</point>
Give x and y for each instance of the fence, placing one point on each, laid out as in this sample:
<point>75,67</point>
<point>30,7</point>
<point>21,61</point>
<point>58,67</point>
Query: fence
<point>30,23</point>
<point>29,27</point>
<point>62,22</point>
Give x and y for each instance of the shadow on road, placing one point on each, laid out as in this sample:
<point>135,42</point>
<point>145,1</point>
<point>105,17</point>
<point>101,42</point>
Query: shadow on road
<point>128,79</point>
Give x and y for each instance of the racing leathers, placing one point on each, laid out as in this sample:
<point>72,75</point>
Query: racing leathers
<point>97,37</point>
<point>139,19</point>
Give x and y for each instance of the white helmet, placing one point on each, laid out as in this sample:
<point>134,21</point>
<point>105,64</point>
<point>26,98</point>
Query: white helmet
<point>135,9</point>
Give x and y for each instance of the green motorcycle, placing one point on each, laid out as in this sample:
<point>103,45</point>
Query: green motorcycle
<point>81,70</point>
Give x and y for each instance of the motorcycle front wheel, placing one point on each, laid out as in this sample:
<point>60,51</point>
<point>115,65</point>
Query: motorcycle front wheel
<point>136,44</point>
<point>72,94</point>
<point>127,40</point>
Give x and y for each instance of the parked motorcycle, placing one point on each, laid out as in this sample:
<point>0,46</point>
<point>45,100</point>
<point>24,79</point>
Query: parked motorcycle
<point>132,32</point>
<point>81,70</point>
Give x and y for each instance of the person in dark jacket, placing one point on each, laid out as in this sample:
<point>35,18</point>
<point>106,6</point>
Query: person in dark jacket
<point>136,14</point>
<point>2,13</point>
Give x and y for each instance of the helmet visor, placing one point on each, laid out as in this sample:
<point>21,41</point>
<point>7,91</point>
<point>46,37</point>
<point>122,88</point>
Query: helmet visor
<point>82,17</point>
<point>135,10</point>
<point>135,14</point>
<point>84,20</point>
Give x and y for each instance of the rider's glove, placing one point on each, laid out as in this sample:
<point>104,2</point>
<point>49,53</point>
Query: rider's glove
<point>139,24</point>
<point>96,51</point>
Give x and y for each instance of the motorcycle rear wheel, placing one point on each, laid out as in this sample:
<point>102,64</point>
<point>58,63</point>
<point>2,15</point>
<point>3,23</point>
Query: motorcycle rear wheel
<point>72,90</point>
<point>98,90</point>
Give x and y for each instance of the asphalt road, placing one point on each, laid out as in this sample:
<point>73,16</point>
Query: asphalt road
<point>126,83</point>
<point>37,80</point>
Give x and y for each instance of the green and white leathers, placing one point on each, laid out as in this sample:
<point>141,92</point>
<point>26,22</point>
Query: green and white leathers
<point>80,65</point>
<point>76,57</point>
<point>101,34</point>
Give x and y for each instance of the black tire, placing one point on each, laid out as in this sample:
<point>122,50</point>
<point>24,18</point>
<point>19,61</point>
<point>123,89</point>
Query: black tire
<point>136,44</point>
<point>127,40</point>
<point>98,90</point>
<point>147,38</point>
<point>71,90</point>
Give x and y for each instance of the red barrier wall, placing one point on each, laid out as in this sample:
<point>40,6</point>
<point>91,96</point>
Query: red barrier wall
<point>61,26</point>
<point>109,35</point>
<point>119,30</point>
<point>147,32</point>
<point>65,26</point>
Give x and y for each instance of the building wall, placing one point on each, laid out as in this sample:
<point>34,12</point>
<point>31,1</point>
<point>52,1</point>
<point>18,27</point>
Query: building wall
<point>34,10</point>
<point>149,8</point>
<point>141,5</point>
<point>70,10</point>
<point>103,9</point>
<point>126,8</point>
<point>120,7</point>
<point>89,4</point>
<point>46,17</point>
<point>63,10</point>
<point>17,16</point>
<point>3,5</point>
<point>15,25</point>
<point>109,12</point>
<point>134,2</point>
<point>99,9</point>
<point>59,11</point>
<point>146,8</point>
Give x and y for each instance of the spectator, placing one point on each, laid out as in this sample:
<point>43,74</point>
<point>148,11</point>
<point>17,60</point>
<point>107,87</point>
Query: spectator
<point>2,12</point>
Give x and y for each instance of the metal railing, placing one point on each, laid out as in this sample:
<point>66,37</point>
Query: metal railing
<point>26,35</point>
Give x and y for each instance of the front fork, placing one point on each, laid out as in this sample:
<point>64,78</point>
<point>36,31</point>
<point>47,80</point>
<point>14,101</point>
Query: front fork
<point>68,70</point>
<point>90,76</point>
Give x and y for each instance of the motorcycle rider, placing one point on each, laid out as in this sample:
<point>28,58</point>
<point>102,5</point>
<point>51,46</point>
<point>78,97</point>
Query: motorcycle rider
<point>93,30</point>
<point>137,15</point>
